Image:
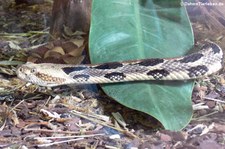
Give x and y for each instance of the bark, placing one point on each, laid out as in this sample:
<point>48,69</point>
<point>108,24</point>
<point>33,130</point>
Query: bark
<point>74,14</point>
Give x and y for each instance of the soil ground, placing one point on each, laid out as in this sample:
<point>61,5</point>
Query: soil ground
<point>82,116</point>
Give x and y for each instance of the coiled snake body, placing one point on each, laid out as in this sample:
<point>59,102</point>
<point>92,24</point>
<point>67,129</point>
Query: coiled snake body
<point>205,62</point>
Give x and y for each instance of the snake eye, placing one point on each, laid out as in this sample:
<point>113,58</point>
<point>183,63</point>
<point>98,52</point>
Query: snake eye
<point>21,69</point>
<point>33,70</point>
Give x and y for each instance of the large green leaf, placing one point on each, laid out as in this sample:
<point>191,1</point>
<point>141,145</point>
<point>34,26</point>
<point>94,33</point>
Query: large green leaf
<point>132,29</point>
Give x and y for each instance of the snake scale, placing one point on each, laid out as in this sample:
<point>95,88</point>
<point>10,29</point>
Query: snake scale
<point>200,64</point>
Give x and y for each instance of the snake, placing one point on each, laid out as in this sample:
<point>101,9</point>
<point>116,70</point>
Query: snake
<point>206,61</point>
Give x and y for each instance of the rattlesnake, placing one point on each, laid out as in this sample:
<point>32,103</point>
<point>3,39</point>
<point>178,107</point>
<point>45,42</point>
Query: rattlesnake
<point>205,62</point>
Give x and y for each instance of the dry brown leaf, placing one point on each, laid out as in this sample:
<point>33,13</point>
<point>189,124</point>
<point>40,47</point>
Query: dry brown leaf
<point>50,45</point>
<point>58,49</point>
<point>40,51</point>
<point>69,52</point>
<point>37,55</point>
<point>72,60</point>
<point>51,60</point>
<point>52,54</point>
<point>78,42</point>
<point>222,80</point>
<point>77,52</point>
<point>219,127</point>
<point>32,59</point>
<point>69,46</point>
<point>57,43</point>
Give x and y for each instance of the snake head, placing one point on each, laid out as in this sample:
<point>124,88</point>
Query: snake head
<point>38,74</point>
<point>24,72</point>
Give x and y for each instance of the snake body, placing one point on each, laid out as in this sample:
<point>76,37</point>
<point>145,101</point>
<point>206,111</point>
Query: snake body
<point>203,63</point>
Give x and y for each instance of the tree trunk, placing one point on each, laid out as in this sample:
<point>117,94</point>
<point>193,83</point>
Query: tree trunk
<point>73,14</point>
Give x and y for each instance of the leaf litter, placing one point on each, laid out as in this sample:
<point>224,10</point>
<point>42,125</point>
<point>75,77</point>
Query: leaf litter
<point>82,116</point>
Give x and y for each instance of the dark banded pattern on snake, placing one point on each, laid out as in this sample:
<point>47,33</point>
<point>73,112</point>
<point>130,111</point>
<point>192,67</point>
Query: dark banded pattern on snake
<point>205,62</point>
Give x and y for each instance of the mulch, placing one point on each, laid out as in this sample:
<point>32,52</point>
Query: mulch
<point>83,116</point>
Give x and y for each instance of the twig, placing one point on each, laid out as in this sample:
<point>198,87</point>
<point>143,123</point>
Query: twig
<point>204,116</point>
<point>59,142</point>
<point>213,99</point>
<point>103,123</point>
<point>65,137</point>
<point>55,131</point>
<point>16,105</point>
<point>200,106</point>
<point>111,147</point>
